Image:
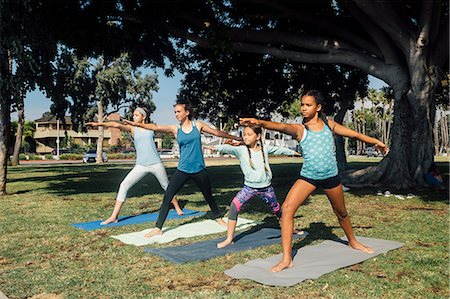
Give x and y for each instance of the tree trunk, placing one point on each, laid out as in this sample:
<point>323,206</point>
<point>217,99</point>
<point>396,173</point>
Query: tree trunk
<point>444,135</point>
<point>412,148</point>
<point>437,140</point>
<point>100,132</point>
<point>339,141</point>
<point>19,133</point>
<point>5,104</point>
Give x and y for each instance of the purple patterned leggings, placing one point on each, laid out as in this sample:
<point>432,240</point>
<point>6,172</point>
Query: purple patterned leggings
<point>242,197</point>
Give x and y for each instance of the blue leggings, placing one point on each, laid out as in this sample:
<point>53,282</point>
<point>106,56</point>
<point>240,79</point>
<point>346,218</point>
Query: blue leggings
<point>267,194</point>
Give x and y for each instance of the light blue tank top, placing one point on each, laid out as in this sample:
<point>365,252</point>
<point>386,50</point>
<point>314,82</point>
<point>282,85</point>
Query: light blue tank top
<point>191,153</point>
<point>319,154</point>
<point>144,144</point>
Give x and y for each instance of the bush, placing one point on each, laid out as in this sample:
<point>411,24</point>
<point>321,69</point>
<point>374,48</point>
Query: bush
<point>71,157</point>
<point>22,157</point>
<point>122,156</point>
<point>48,157</point>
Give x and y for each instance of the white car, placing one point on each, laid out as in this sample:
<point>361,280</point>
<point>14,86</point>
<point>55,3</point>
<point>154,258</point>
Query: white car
<point>91,156</point>
<point>166,154</point>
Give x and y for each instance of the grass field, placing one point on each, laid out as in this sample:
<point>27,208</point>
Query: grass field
<point>42,256</point>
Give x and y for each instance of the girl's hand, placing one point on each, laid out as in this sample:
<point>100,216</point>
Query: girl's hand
<point>233,142</point>
<point>382,147</point>
<point>91,124</point>
<point>249,121</point>
<point>129,122</point>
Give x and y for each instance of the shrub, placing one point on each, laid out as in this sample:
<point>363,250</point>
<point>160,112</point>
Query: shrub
<point>71,157</point>
<point>121,156</point>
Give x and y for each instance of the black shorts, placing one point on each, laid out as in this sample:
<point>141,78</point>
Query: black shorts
<point>329,183</point>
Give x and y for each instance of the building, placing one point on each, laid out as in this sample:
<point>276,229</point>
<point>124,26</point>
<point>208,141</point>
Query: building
<point>48,129</point>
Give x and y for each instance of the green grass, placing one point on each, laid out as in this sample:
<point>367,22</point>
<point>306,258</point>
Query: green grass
<point>42,255</point>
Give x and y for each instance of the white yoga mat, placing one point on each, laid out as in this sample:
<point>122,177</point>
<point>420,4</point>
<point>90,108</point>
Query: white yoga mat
<point>170,234</point>
<point>310,262</point>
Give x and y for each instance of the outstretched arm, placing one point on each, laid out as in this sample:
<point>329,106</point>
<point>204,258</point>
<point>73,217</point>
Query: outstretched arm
<point>344,131</point>
<point>294,130</point>
<point>154,127</point>
<point>203,127</point>
<point>111,124</point>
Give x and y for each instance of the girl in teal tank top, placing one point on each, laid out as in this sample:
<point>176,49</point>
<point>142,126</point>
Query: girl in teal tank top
<point>191,164</point>
<point>319,169</point>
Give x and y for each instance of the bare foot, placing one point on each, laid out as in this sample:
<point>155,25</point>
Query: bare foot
<point>299,231</point>
<point>221,222</point>
<point>179,211</point>
<point>282,265</point>
<point>154,232</point>
<point>109,220</point>
<point>225,243</point>
<point>358,246</point>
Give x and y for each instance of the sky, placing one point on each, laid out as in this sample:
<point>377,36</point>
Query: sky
<point>36,103</point>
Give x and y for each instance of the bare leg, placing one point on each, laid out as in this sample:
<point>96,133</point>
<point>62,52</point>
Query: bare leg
<point>220,221</point>
<point>336,198</point>
<point>177,206</point>
<point>230,234</point>
<point>114,215</point>
<point>296,196</point>
<point>154,232</point>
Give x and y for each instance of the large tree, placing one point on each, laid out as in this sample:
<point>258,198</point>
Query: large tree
<point>404,43</point>
<point>26,52</point>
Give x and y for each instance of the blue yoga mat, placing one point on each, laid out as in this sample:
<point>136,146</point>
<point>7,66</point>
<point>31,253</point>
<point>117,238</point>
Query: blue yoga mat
<point>137,219</point>
<point>208,249</point>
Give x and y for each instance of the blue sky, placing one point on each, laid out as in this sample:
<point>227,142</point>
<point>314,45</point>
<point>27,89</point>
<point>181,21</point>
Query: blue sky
<point>36,103</point>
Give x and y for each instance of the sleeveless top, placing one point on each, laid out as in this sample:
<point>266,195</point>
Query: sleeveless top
<point>144,144</point>
<point>319,154</point>
<point>191,153</point>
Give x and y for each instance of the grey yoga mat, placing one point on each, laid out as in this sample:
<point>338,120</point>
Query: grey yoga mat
<point>208,249</point>
<point>310,261</point>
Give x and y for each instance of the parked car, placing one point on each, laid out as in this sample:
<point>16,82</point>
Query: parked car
<point>372,152</point>
<point>168,154</point>
<point>91,156</point>
<point>61,151</point>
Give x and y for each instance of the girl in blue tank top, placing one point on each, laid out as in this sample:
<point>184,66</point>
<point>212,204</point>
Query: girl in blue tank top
<point>147,161</point>
<point>191,164</point>
<point>319,168</point>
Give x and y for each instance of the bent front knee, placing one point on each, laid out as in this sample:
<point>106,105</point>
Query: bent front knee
<point>288,210</point>
<point>341,214</point>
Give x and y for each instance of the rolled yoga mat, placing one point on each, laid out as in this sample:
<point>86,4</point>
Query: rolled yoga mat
<point>310,262</point>
<point>189,230</point>
<point>208,249</point>
<point>136,219</point>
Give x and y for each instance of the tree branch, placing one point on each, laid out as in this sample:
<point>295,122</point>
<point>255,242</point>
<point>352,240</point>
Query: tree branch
<point>324,24</point>
<point>426,13</point>
<point>383,14</point>
<point>286,38</point>
<point>383,42</point>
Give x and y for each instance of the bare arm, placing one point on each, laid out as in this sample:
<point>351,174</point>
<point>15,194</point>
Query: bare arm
<point>294,130</point>
<point>172,129</point>
<point>111,124</point>
<point>203,127</point>
<point>344,131</point>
